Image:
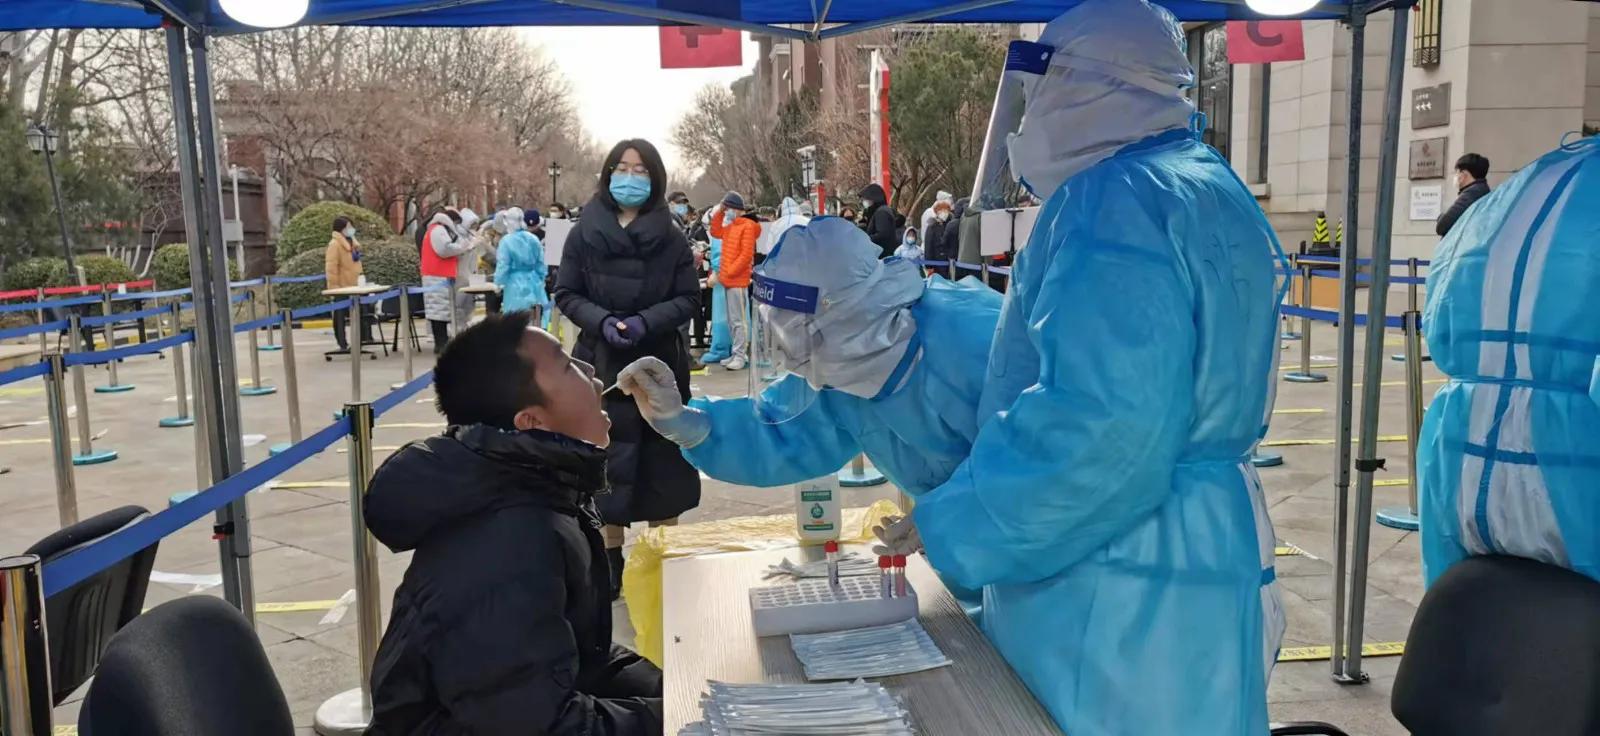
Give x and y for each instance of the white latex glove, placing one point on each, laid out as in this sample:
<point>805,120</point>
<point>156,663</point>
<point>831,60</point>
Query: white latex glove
<point>655,389</point>
<point>897,536</point>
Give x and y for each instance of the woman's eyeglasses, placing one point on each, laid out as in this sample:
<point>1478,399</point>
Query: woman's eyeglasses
<point>639,169</point>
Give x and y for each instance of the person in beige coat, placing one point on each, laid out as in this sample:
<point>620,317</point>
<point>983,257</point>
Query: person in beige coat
<point>342,262</point>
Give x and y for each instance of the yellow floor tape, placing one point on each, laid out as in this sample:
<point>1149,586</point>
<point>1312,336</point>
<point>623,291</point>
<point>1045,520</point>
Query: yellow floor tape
<point>1299,411</point>
<point>1289,550</point>
<point>295,606</point>
<point>1317,654</point>
<point>304,484</point>
<point>1314,366</point>
<point>1391,482</point>
<point>66,731</point>
<point>1306,443</point>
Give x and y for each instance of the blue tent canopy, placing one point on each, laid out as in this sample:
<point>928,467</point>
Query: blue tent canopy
<point>755,15</point>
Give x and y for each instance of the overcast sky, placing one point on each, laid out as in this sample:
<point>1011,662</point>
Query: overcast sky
<point>621,88</point>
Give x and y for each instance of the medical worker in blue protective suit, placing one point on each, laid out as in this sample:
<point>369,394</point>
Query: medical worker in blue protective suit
<point>910,404</point>
<point>1109,508</point>
<point>721,336</point>
<point>1509,456</point>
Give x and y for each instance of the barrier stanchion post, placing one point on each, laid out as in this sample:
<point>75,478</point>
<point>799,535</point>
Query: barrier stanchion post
<point>1304,375</point>
<point>455,309</point>
<point>291,384</point>
<point>25,692</point>
<point>1406,517</point>
<point>1288,322</point>
<point>55,397</point>
<point>856,474</point>
<point>109,330</point>
<point>80,396</point>
<point>356,348</point>
<point>179,383</point>
<point>44,338</point>
<point>403,333</point>
<point>255,388</point>
<point>202,450</point>
<point>1413,300</point>
<point>272,308</point>
<point>350,711</point>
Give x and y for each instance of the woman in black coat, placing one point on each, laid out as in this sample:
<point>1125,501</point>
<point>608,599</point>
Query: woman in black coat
<point>880,219</point>
<point>628,282</point>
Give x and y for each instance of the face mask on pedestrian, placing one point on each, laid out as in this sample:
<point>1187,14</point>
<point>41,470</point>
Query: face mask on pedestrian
<point>943,216</point>
<point>350,233</point>
<point>630,190</point>
<point>865,204</point>
<point>680,209</point>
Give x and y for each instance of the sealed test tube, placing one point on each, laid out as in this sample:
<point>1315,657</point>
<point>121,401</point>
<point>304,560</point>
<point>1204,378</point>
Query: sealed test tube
<point>832,548</point>
<point>899,576</point>
<point>885,577</point>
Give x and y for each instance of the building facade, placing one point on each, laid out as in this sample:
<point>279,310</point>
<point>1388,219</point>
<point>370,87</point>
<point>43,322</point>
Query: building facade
<point>1503,79</point>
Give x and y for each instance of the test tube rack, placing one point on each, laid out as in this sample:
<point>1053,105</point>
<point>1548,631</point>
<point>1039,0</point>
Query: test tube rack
<point>813,606</point>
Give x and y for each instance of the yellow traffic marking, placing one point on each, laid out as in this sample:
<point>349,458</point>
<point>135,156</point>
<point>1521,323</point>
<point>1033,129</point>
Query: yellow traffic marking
<point>1288,551</point>
<point>1389,384</point>
<point>21,391</point>
<point>1391,482</point>
<point>412,425</point>
<point>1299,411</point>
<point>1317,654</point>
<point>304,484</point>
<point>1306,443</point>
<point>65,731</point>
<point>44,441</point>
<point>295,606</point>
<point>1296,366</point>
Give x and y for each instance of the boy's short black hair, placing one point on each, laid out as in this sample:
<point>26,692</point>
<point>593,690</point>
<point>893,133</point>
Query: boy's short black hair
<point>340,223</point>
<point>483,376</point>
<point>1473,164</point>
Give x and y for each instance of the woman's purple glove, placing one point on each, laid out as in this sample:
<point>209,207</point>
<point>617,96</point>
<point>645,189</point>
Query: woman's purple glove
<point>618,338</point>
<point>636,329</point>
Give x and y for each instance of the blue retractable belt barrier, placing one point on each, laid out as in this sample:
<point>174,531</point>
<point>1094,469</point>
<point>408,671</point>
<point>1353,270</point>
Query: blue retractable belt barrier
<point>239,297</point>
<point>115,318</point>
<point>936,264</point>
<point>55,326</point>
<point>24,373</point>
<point>321,309</point>
<point>1002,270</point>
<point>298,279</point>
<point>51,304</point>
<point>256,324</point>
<point>375,298</point>
<point>394,398</point>
<point>426,289</point>
<point>77,566</point>
<point>1332,317</point>
<point>106,356</point>
<point>969,266</point>
<point>243,284</point>
<point>152,294</point>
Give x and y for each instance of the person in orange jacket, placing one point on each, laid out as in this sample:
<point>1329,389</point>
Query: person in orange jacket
<point>739,231</point>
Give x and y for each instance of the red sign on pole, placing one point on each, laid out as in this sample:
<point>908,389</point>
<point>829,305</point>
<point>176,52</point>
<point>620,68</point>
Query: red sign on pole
<point>1263,41</point>
<point>700,47</point>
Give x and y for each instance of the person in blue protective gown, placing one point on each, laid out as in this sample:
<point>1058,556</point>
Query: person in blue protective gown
<point>909,403</point>
<point>1108,508</point>
<point>721,337</point>
<point>1508,460</point>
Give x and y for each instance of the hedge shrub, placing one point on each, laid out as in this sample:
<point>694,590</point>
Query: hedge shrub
<point>300,296</point>
<point>34,273</point>
<point>310,229</point>
<point>170,267</point>
<point>394,263</point>
<point>100,269</point>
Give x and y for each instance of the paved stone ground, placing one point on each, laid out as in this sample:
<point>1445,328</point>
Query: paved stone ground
<point>302,534</point>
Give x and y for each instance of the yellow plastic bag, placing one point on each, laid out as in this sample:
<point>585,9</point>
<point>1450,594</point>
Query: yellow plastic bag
<point>641,578</point>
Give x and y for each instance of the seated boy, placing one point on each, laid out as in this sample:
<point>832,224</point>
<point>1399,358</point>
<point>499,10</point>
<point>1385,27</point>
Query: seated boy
<point>502,624</point>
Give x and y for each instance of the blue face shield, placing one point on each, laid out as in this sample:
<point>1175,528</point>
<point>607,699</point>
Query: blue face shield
<point>630,190</point>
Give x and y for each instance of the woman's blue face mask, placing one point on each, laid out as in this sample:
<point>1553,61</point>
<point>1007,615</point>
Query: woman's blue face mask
<point>630,190</point>
<point>680,209</point>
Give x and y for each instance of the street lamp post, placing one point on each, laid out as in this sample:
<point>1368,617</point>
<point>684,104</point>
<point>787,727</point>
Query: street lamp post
<point>43,141</point>
<point>555,176</point>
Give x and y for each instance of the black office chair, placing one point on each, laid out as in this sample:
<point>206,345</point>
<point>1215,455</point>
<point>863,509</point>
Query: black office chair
<point>1503,645</point>
<point>191,667</point>
<point>82,619</point>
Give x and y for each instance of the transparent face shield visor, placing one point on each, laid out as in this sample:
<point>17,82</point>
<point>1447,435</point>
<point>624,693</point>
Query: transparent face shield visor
<point>997,186</point>
<point>784,340</point>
